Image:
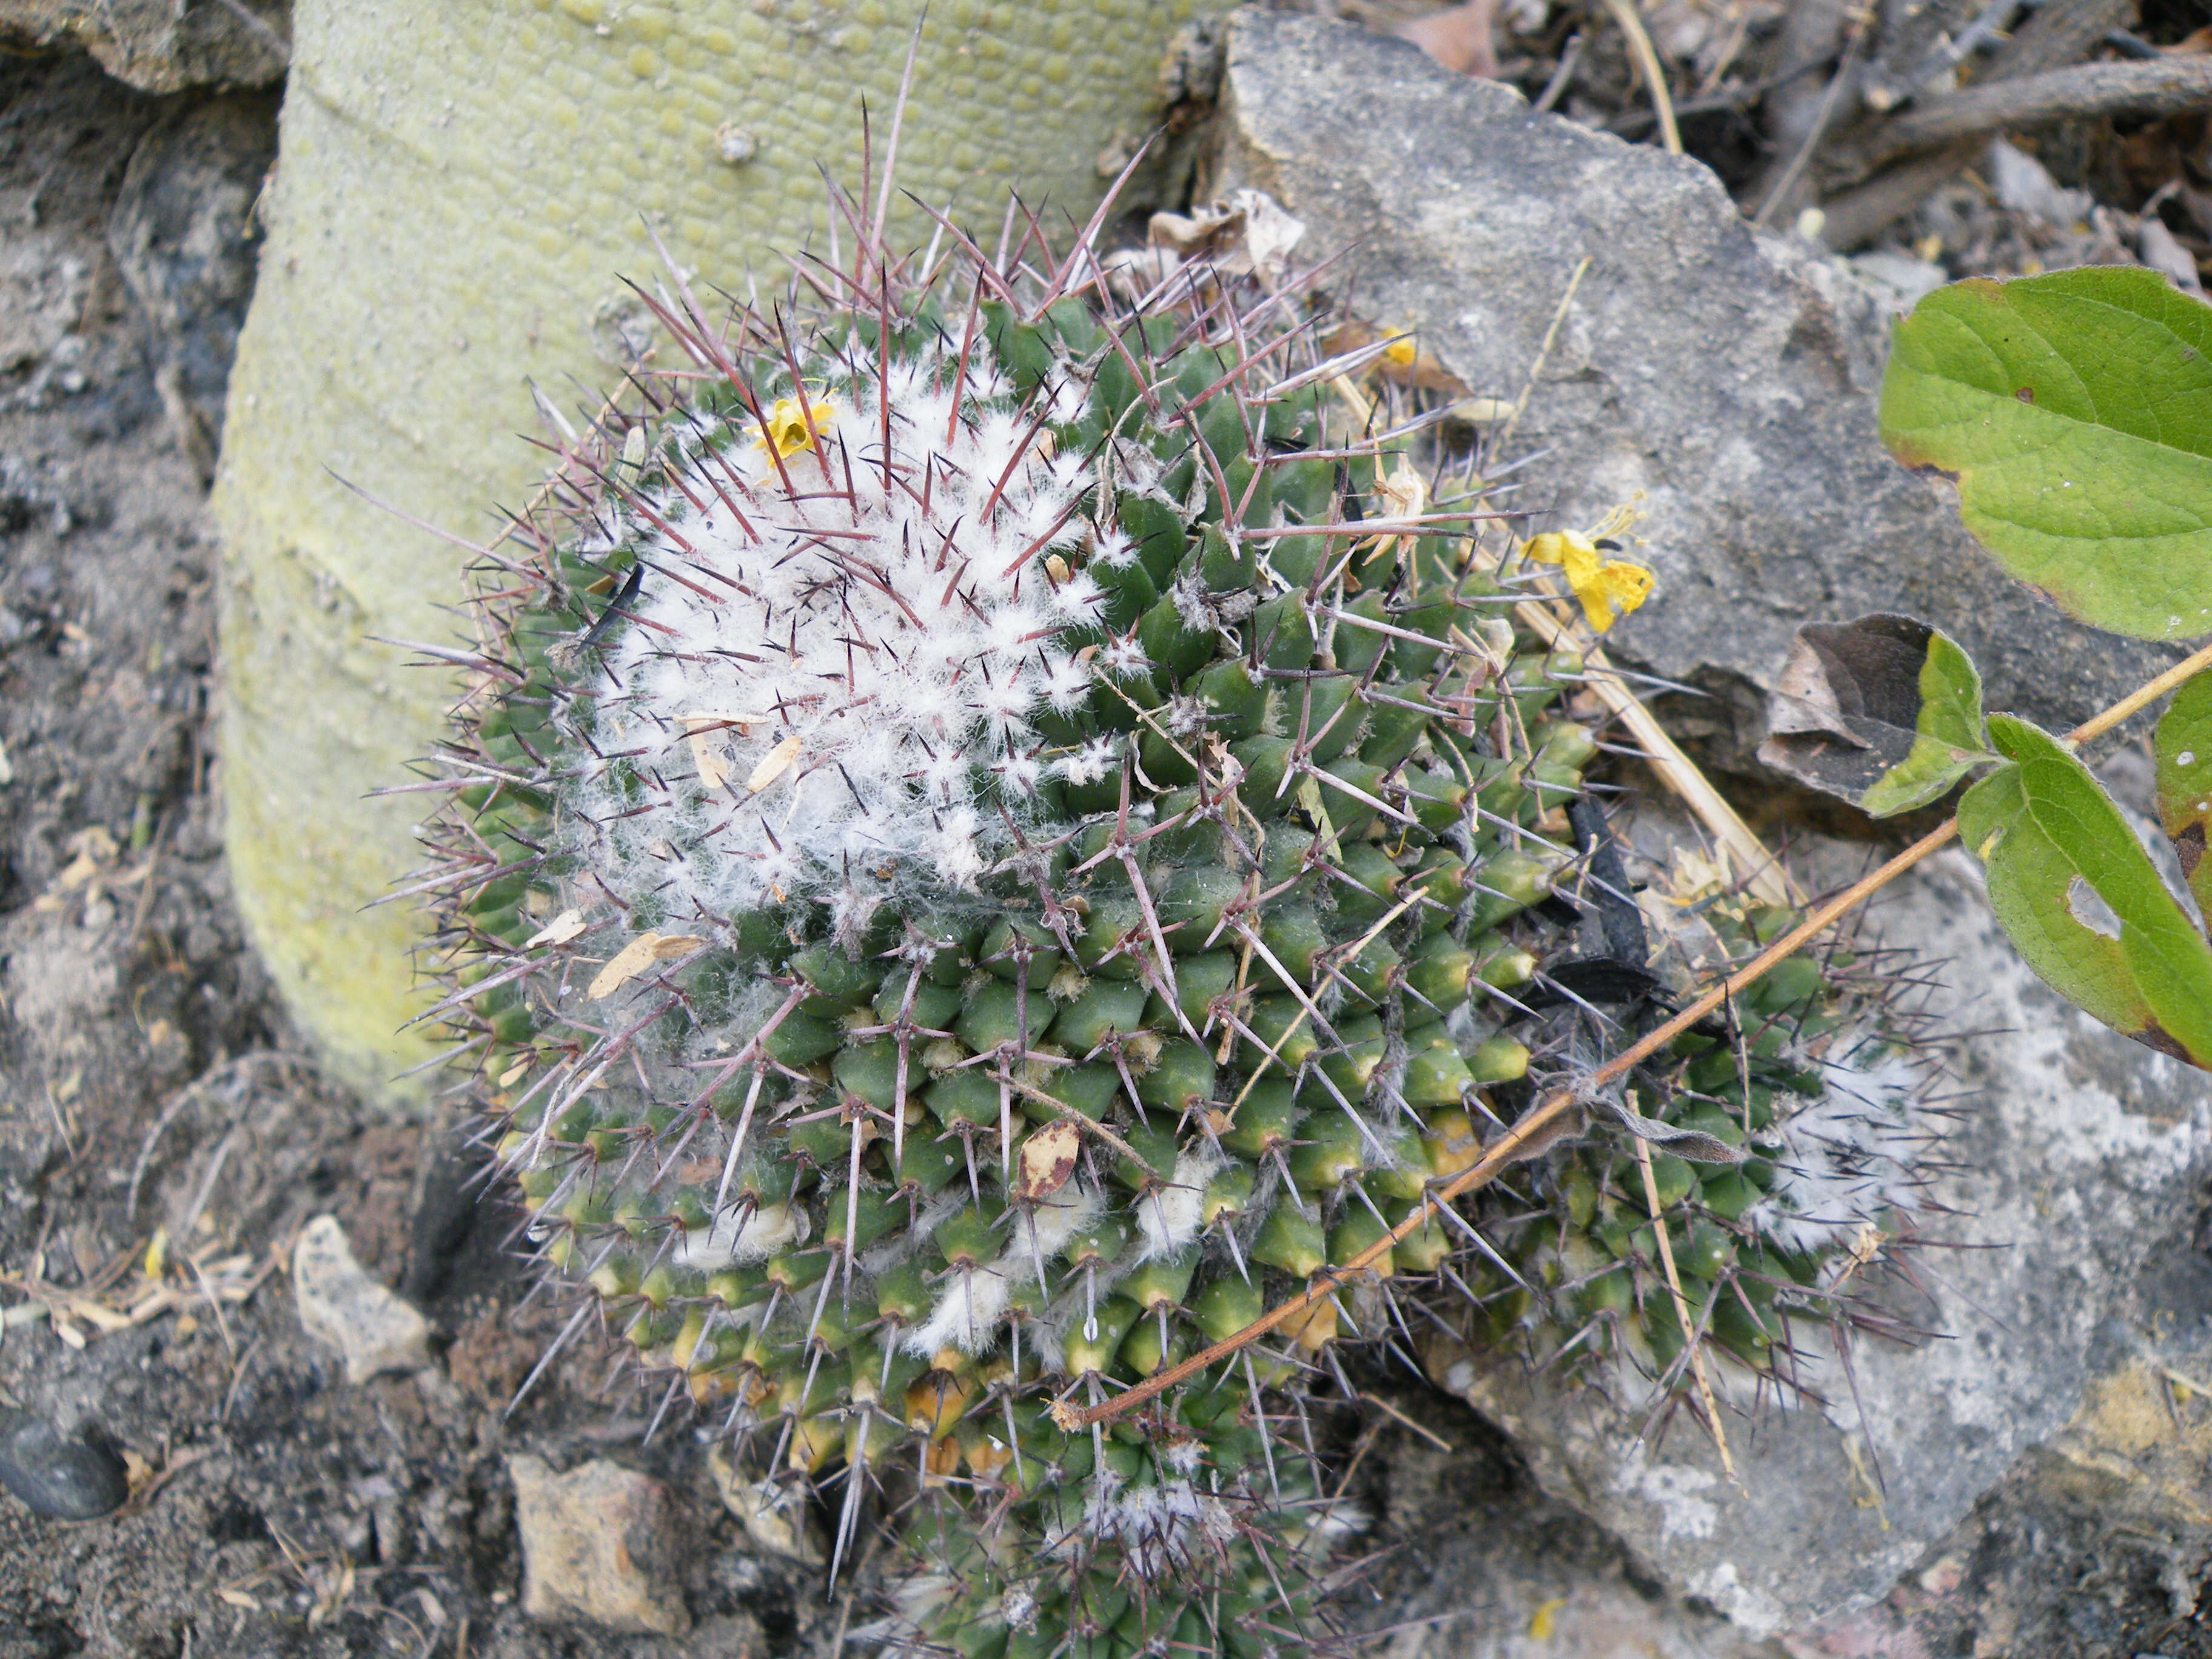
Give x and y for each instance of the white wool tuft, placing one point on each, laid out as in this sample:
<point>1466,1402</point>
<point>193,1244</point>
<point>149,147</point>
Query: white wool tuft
<point>823,680</point>
<point>1163,1526</point>
<point>972,1304</point>
<point>1055,1221</point>
<point>967,1313</point>
<point>1842,1160</point>
<point>1090,762</point>
<point>1169,1217</point>
<point>740,1234</point>
<point>1124,657</point>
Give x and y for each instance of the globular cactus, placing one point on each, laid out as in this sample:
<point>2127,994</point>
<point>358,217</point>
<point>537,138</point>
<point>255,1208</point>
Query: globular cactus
<point>993,839</point>
<point>1807,1122</point>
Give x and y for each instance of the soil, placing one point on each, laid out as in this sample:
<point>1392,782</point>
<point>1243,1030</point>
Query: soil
<point>150,1091</point>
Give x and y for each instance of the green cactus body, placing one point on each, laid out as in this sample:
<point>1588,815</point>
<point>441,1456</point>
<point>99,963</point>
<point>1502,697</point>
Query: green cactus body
<point>961,898</point>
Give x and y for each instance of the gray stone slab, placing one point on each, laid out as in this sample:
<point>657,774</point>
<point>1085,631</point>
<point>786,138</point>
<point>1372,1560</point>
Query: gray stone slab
<point>160,46</point>
<point>1727,373</point>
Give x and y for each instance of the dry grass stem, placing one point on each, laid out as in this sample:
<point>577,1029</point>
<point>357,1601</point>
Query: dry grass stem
<point>1690,1333</point>
<point>1762,873</point>
<point>1648,66</point>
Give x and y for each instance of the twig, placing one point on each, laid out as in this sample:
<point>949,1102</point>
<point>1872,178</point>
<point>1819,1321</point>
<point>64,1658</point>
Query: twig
<point>1528,1131</point>
<point>237,1377</point>
<point>1811,38</point>
<point>2060,32</point>
<point>1561,77</point>
<point>2168,87</point>
<point>1821,115</point>
<point>1935,40</point>
<point>1427,1434</point>
<point>1855,216</point>
<point>1648,65</point>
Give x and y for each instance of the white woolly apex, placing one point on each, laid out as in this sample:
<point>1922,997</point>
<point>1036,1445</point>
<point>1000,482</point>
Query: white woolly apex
<point>841,642</point>
<point>1844,1158</point>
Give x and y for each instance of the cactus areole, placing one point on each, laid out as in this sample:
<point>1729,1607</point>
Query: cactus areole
<point>988,845</point>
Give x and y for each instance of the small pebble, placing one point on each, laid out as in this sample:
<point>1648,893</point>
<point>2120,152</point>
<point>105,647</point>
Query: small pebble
<point>340,1304</point>
<point>598,1543</point>
<point>61,1479</point>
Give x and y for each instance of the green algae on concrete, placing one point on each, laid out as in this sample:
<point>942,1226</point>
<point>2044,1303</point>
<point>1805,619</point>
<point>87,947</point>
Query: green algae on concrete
<point>461,190</point>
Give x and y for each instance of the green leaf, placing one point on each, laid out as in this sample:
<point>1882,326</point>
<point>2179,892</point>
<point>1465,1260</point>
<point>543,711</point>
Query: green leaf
<point>2076,412</point>
<point>2081,899</point>
<point>2184,783</point>
<point>1885,711</point>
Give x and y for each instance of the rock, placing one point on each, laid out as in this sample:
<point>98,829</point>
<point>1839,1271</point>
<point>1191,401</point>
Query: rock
<point>2123,1491</point>
<point>1898,279</point>
<point>341,1305</point>
<point>1466,1558</point>
<point>183,235</point>
<point>2076,1159</point>
<point>61,1479</point>
<point>598,1543</point>
<point>1728,374</point>
<point>160,46</point>
<point>2023,184</point>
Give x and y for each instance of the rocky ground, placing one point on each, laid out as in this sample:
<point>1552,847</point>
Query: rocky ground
<point>163,1145</point>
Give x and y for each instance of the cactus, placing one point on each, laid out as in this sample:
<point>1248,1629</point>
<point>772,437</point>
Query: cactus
<point>441,257</point>
<point>993,839</point>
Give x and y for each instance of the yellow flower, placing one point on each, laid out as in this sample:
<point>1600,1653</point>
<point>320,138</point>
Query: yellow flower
<point>1400,352</point>
<point>1570,549</point>
<point>786,429</point>
<point>1607,587</point>
<point>1623,586</point>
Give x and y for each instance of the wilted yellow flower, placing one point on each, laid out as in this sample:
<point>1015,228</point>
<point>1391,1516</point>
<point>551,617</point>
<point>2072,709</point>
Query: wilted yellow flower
<point>1623,585</point>
<point>1570,549</point>
<point>1607,587</point>
<point>787,428</point>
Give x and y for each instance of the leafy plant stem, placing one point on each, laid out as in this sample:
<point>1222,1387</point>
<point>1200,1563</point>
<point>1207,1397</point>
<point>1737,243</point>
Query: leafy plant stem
<point>2142,698</point>
<point>1537,1128</point>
